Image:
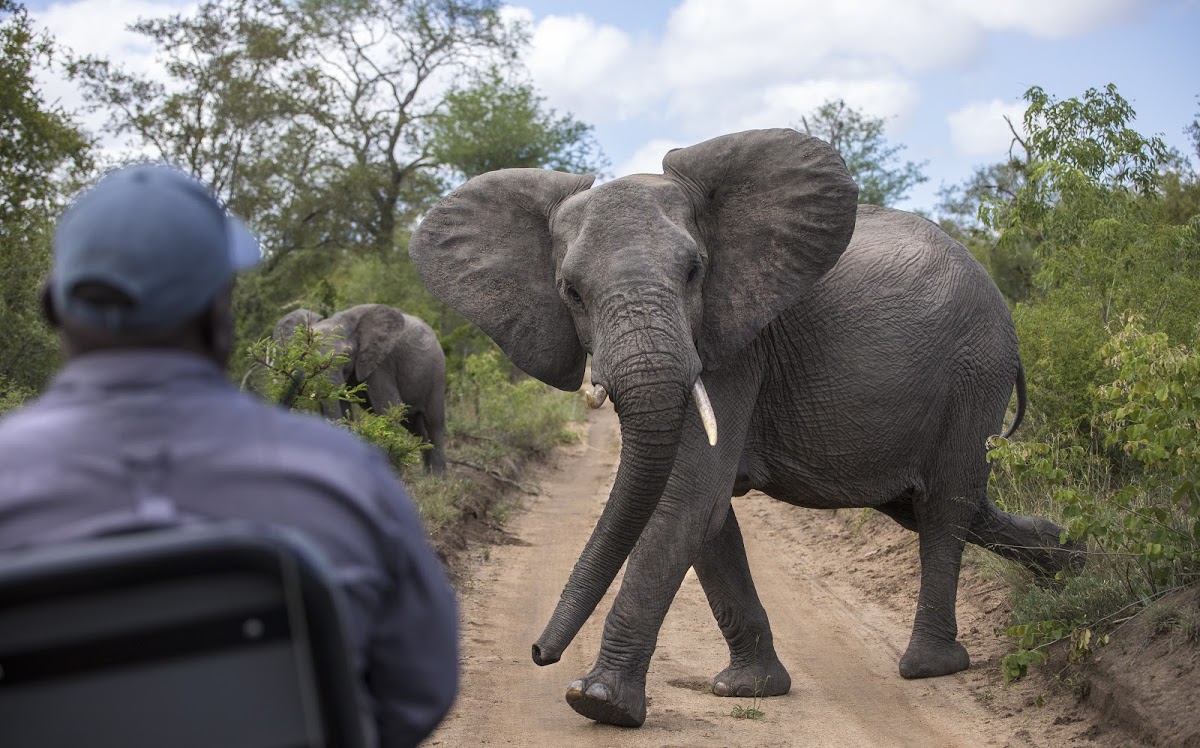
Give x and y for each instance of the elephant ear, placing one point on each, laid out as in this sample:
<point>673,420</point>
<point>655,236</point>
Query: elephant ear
<point>775,209</point>
<point>376,336</point>
<point>486,250</point>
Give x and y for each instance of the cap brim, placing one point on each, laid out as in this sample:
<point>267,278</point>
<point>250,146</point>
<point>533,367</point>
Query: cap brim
<point>245,251</point>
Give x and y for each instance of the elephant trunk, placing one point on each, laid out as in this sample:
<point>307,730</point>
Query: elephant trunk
<point>651,405</point>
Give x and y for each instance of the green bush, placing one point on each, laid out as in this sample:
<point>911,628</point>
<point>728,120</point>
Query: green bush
<point>295,372</point>
<point>386,431</point>
<point>12,395</point>
<point>1134,498</point>
<point>501,418</point>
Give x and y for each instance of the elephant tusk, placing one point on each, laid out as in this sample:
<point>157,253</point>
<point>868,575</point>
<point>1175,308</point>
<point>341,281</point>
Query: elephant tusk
<point>596,397</point>
<point>706,411</point>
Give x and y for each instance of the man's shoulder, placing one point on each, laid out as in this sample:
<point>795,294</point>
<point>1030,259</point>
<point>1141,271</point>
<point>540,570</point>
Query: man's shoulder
<point>304,428</point>
<point>29,417</point>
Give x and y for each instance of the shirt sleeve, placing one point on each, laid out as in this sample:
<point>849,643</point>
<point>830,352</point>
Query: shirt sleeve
<point>412,657</point>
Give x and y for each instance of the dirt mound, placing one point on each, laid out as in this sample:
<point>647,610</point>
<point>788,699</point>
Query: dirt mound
<point>1148,677</point>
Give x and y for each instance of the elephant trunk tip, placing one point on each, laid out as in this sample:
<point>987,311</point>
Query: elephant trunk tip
<point>542,659</point>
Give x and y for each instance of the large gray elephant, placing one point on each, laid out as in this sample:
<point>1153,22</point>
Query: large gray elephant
<point>837,372</point>
<point>397,356</point>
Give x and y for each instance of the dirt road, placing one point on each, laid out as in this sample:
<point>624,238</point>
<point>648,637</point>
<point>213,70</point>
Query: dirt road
<point>841,643</point>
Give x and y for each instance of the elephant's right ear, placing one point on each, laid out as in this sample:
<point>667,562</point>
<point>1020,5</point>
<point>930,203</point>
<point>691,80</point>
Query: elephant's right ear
<point>486,250</point>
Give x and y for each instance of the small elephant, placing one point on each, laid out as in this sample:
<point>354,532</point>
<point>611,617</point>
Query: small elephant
<point>397,356</point>
<point>293,320</point>
<point>851,357</point>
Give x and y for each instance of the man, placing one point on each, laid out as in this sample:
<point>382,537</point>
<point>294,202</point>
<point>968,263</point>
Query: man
<point>142,429</point>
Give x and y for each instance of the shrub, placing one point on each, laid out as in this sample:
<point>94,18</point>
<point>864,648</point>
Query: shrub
<point>12,395</point>
<point>295,373</point>
<point>1134,497</point>
<point>501,417</point>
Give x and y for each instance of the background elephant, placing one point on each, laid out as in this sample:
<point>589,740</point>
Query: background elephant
<point>397,356</point>
<point>294,319</point>
<point>841,373</point>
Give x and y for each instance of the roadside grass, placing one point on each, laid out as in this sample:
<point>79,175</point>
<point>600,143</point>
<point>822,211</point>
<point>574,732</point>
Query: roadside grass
<point>752,711</point>
<point>495,427</point>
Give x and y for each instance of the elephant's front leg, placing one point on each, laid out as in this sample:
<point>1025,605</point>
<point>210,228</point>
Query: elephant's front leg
<point>724,572</point>
<point>614,692</point>
<point>692,507</point>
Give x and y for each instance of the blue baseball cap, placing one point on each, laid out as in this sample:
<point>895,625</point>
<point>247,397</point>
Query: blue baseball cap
<point>156,235</point>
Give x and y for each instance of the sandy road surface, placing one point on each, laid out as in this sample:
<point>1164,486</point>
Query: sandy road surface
<point>840,645</point>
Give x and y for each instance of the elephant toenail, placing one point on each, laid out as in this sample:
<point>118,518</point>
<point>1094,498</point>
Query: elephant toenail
<point>721,689</point>
<point>577,686</point>
<point>745,691</point>
<point>598,692</point>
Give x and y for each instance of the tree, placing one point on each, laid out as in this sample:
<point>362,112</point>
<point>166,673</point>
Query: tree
<point>1093,207</point>
<point>304,117</point>
<point>871,160</point>
<point>39,147</point>
<point>1013,265</point>
<point>1193,131</point>
<point>495,123</point>
<point>319,122</point>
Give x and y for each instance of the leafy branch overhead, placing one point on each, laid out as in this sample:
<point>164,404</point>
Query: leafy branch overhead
<point>329,125</point>
<point>871,160</point>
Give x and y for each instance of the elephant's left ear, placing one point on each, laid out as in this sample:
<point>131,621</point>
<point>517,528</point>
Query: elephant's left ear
<point>377,333</point>
<point>775,209</point>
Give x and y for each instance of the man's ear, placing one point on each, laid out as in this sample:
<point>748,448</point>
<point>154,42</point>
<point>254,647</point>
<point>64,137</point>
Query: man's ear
<point>218,327</point>
<point>49,313</point>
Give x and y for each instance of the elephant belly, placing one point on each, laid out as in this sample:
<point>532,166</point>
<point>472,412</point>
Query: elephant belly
<point>848,435</point>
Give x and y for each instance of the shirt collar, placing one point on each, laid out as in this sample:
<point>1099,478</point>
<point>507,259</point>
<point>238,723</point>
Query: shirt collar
<point>136,368</point>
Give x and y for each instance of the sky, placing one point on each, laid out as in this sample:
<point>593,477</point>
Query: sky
<point>658,74</point>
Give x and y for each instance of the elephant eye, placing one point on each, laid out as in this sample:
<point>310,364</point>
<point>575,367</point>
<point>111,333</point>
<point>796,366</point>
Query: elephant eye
<point>693,272</point>
<point>574,295</point>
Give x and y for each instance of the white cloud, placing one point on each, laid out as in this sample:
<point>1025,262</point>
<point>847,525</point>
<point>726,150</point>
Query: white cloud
<point>1048,19</point>
<point>727,63</point>
<point>783,105</point>
<point>648,158</point>
<point>979,130</point>
<point>598,72</point>
<point>100,27</point>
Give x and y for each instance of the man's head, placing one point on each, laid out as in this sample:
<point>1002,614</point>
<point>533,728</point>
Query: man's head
<point>146,258</point>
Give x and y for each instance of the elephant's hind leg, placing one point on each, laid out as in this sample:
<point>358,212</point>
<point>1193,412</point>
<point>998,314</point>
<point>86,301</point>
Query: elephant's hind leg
<point>754,668</point>
<point>1030,541</point>
<point>943,516</point>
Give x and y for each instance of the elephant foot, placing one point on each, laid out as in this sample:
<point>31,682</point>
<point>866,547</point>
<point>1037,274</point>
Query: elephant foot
<point>929,659</point>
<point>757,679</point>
<point>609,699</point>
<point>1068,557</point>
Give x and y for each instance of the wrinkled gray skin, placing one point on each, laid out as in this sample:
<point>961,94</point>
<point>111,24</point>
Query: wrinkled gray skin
<point>861,376</point>
<point>397,356</point>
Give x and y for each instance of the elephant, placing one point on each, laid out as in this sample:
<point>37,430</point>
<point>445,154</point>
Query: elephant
<point>290,322</point>
<point>399,359</point>
<point>852,356</point>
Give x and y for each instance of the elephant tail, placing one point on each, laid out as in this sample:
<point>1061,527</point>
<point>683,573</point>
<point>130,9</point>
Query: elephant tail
<point>1021,399</point>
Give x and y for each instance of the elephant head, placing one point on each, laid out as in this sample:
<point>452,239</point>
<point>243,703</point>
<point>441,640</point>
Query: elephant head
<point>366,334</point>
<point>659,277</point>
<point>293,320</point>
